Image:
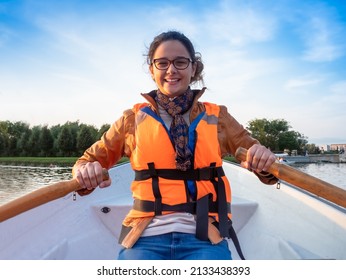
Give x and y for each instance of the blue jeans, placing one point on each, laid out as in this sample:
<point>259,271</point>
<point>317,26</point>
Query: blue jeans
<point>175,246</point>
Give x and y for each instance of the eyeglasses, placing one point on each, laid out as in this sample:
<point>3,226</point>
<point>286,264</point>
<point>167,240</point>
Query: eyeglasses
<point>179,63</point>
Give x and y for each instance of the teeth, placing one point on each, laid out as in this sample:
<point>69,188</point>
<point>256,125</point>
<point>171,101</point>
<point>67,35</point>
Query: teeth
<point>172,80</point>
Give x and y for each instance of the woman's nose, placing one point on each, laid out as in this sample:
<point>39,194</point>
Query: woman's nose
<point>171,68</point>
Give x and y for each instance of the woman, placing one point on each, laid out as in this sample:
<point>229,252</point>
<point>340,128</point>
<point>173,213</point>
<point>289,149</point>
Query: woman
<point>175,144</point>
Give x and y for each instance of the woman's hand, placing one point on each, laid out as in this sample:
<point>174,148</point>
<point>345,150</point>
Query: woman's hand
<point>258,158</point>
<point>90,175</point>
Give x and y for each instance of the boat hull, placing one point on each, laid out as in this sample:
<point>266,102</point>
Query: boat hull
<point>271,223</point>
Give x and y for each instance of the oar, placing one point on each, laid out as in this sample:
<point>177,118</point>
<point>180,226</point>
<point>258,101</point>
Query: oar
<point>303,180</point>
<point>39,197</point>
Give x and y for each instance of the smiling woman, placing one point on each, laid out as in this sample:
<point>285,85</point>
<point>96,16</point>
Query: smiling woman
<point>170,80</point>
<point>177,65</point>
<point>175,144</point>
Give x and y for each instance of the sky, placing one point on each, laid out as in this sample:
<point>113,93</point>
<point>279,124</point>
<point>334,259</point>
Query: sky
<point>83,60</point>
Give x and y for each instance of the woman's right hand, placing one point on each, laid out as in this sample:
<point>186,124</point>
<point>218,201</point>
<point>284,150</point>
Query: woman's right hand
<point>90,175</point>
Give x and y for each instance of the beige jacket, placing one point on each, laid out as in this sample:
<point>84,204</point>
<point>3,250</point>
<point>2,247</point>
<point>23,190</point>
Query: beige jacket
<point>118,141</point>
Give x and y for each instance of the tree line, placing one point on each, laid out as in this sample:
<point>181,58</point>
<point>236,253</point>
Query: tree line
<point>73,138</point>
<point>278,135</point>
<point>68,140</point>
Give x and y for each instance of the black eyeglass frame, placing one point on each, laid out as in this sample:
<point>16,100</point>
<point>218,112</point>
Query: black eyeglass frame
<point>189,60</point>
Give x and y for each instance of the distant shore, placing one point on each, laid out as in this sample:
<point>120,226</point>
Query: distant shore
<point>38,161</point>
<point>43,161</point>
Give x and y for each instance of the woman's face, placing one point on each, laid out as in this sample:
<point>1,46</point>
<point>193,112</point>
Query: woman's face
<point>172,82</point>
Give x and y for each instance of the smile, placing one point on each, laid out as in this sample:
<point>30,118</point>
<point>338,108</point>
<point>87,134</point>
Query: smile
<point>171,80</point>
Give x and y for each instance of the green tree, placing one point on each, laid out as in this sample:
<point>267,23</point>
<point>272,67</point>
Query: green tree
<point>276,134</point>
<point>4,138</point>
<point>257,128</point>
<point>65,141</point>
<point>86,137</point>
<point>34,141</point>
<point>55,131</point>
<point>24,143</point>
<point>275,129</point>
<point>46,142</point>
<point>288,140</point>
<point>102,130</point>
<point>69,139</point>
<point>74,128</point>
<point>312,149</point>
<point>3,144</point>
<point>12,133</point>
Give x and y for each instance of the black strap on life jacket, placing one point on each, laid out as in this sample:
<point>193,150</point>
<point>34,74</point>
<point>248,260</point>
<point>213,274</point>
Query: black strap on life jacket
<point>201,207</point>
<point>219,186</point>
<point>198,174</point>
<point>188,207</point>
<point>233,236</point>
<point>156,189</point>
<point>202,217</point>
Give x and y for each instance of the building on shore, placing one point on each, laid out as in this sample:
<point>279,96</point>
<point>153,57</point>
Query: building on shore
<point>332,147</point>
<point>338,147</point>
<point>324,148</point>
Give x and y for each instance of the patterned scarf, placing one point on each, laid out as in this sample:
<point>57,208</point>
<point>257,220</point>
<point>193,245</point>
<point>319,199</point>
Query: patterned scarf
<point>179,129</point>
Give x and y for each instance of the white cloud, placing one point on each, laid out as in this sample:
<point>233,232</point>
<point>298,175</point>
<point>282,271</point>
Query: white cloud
<point>5,34</point>
<point>339,88</point>
<point>322,114</point>
<point>323,36</point>
<point>172,17</point>
<point>321,44</point>
<point>240,25</point>
<point>301,84</point>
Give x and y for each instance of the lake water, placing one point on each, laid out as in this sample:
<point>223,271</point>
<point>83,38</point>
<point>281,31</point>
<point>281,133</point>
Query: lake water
<point>18,180</point>
<point>334,173</point>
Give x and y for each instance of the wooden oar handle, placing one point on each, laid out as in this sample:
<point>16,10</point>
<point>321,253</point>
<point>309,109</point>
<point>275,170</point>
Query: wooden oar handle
<point>305,181</point>
<point>40,196</point>
<point>105,174</point>
<point>240,154</point>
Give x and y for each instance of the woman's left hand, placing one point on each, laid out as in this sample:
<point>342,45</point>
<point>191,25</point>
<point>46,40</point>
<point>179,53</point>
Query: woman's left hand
<point>258,158</point>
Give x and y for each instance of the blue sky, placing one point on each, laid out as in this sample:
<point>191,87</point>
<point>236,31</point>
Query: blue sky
<point>84,60</point>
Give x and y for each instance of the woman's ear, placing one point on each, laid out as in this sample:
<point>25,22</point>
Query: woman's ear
<point>194,68</point>
<point>151,72</point>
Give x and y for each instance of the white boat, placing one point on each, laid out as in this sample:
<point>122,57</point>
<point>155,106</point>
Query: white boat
<point>271,222</point>
<point>289,162</point>
<point>282,158</point>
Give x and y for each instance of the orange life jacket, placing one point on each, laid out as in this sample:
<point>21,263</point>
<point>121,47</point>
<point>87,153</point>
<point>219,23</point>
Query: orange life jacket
<point>159,188</point>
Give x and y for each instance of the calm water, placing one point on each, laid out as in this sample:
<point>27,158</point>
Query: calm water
<point>16,181</point>
<point>334,173</point>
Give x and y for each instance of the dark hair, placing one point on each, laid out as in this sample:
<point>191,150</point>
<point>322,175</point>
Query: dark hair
<point>175,35</point>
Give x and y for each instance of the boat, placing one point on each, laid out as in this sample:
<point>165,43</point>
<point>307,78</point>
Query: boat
<point>273,222</point>
<point>289,162</point>
<point>283,158</point>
